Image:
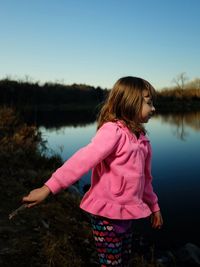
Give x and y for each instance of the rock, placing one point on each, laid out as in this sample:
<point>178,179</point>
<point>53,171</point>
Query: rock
<point>166,259</point>
<point>189,255</point>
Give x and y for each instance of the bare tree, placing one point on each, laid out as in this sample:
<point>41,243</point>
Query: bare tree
<point>180,80</point>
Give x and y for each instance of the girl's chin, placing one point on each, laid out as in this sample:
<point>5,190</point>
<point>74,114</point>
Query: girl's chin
<point>146,119</point>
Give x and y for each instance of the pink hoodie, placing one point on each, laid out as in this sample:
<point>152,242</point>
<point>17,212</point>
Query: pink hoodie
<point>121,182</point>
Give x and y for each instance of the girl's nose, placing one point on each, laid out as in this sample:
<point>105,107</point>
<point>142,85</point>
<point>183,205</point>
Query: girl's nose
<point>153,109</point>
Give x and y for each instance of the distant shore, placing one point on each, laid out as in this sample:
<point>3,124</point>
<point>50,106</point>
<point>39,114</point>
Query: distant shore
<point>27,96</point>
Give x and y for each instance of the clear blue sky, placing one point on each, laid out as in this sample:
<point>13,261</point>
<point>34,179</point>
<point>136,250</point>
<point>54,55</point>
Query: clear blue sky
<point>96,42</point>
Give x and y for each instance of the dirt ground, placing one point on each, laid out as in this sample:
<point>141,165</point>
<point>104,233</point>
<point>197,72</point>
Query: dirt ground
<point>56,233</point>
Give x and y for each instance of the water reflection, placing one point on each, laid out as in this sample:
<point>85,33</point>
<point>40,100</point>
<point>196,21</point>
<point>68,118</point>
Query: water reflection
<point>182,121</point>
<point>60,118</point>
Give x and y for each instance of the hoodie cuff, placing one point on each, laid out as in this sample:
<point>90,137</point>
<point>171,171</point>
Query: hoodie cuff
<point>155,207</point>
<point>53,185</point>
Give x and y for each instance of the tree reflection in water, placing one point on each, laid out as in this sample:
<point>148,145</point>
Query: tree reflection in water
<point>181,121</point>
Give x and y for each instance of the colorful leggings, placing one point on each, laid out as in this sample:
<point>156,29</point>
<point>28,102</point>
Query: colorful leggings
<point>113,240</point>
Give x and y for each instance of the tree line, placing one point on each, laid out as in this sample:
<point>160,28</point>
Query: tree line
<point>19,93</point>
<point>27,95</point>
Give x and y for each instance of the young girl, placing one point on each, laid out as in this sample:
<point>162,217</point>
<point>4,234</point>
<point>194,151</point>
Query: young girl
<point>121,183</point>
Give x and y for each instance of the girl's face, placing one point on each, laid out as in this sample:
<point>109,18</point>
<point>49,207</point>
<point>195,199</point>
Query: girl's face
<point>147,107</point>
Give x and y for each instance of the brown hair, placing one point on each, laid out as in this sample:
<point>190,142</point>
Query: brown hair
<point>124,103</point>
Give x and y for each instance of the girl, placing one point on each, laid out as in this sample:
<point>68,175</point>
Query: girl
<point>121,183</point>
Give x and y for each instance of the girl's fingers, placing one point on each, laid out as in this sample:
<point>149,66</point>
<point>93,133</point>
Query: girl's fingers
<point>157,221</point>
<point>27,199</point>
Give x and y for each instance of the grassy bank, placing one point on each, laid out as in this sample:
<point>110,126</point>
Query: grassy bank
<point>56,233</point>
<point>178,100</point>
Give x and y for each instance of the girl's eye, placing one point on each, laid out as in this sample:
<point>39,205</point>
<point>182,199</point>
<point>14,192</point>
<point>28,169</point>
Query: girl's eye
<point>150,103</point>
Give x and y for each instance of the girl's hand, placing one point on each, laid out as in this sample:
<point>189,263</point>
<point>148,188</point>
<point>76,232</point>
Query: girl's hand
<point>156,220</point>
<point>36,196</point>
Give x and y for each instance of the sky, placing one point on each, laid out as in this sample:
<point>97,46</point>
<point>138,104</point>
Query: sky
<point>96,42</point>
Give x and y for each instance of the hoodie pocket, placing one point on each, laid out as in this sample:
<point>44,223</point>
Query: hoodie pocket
<point>117,185</point>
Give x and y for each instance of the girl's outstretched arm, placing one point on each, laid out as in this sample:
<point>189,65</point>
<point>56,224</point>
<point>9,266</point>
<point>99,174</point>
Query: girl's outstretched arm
<point>36,196</point>
<point>81,162</point>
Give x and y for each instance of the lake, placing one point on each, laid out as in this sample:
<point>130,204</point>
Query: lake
<point>175,140</point>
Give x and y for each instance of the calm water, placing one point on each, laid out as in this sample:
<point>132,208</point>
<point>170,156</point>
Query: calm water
<point>176,169</point>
